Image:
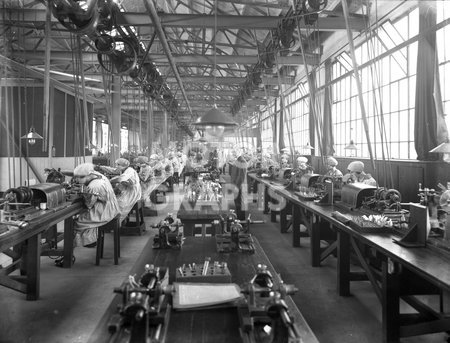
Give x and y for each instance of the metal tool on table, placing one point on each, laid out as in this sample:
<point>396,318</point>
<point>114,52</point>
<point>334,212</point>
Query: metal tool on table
<point>264,316</point>
<point>143,316</point>
<point>208,272</point>
<point>235,234</point>
<point>170,234</point>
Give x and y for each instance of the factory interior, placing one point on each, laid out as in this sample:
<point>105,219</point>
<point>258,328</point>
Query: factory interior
<point>225,171</point>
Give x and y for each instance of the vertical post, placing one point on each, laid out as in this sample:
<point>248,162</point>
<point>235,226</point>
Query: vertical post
<point>358,80</point>
<point>46,103</point>
<point>115,120</point>
<point>150,137</point>
<point>165,133</point>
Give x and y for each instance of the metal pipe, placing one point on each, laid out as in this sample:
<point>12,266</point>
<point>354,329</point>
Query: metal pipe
<point>162,37</point>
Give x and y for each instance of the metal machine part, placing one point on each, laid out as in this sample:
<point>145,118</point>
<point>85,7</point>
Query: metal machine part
<point>144,313</point>
<point>51,193</point>
<point>264,316</point>
<point>354,194</point>
<point>170,234</point>
<point>235,234</point>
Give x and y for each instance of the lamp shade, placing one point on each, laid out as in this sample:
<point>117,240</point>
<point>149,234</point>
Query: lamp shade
<point>442,148</point>
<point>214,117</point>
<point>351,146</point>
<point>308,146</point>
<point>32,136</point>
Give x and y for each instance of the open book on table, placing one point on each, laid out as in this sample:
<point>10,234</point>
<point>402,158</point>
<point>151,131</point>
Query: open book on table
<point>205,295</point>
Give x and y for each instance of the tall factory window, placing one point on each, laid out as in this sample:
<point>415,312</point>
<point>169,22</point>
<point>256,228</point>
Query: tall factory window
<point>443,50</point>
<point>266,133</point>
<point>297,118</point>
<point>387,72</point>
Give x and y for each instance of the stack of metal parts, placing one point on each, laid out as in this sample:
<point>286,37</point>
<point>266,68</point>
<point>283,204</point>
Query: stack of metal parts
<point>216,272</point>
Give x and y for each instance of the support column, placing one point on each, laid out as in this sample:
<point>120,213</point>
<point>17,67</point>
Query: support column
<point>150,135</point>
<point>116,113</point>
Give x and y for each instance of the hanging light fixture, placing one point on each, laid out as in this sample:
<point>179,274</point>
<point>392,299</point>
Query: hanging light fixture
<point>443,148</point>
<point>308,146</point>
<point>351,146</point>
<point>214,121</point>
<point>31,136</point>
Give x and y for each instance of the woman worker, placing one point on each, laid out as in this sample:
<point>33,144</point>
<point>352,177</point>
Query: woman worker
<point>356,174</point>
<point>128,187</point>
<point>101,206</point>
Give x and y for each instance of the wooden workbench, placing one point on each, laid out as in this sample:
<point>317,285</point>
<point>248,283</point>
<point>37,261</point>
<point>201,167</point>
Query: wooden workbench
<point>30,240</point>
<point>219,325</point>
<point>395,272</point>
<point>191,214</point>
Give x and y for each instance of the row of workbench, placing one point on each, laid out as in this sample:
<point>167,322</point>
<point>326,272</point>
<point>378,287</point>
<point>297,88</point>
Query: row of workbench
<point>395,272</point>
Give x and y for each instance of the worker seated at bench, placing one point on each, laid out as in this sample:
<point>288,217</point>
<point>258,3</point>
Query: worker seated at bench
<point>101,205</point>
<point>127,187</point>
<point>332,171</point>
<point>356,174</point>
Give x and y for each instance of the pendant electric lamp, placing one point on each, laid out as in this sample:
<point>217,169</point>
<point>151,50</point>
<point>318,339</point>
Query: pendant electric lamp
<point>443,148</point>
<point>308,146</point>
<point>214,121</point>
<point>351,146</point>
<point>31,136</point>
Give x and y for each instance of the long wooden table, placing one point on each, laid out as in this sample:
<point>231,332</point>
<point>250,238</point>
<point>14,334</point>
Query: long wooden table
<point>218,325</point>
<point>395,272</point>
<point>29,240</point>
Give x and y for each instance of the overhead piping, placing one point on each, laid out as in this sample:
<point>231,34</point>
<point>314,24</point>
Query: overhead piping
<point>155,19</point>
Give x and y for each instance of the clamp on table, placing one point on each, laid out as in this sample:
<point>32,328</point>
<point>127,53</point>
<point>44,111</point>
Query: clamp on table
<point>264,316</point>
<point>235,236</point>
<point>169,234</point>
<point>144,313</point>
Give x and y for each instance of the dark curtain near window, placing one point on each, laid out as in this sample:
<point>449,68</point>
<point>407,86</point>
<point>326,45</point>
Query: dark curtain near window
<point>425,125</point>
<point>327,134</point>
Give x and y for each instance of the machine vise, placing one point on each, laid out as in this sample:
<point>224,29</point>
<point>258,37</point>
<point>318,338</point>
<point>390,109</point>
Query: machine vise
<point>264,316</point>
<point>143,315</point>
<point>235,234</point>
<point>170,235</point>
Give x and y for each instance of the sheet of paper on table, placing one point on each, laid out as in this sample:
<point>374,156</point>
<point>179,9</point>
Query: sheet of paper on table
<point>205,295</point>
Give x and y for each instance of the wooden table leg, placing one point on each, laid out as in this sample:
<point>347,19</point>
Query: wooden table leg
<point>390,301</point>
<point>283,218</point>
<point>68,242</point>
<point>266,200</point>
<point>343,263</point>
<point>188,228</point>
<point>296,221</point>
<point>315,235</point>
<point>33,267</point>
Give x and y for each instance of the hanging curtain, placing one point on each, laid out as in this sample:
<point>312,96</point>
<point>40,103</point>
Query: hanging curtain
<point>425,125</point>
<point>327,134</point>
<point>442,130</point>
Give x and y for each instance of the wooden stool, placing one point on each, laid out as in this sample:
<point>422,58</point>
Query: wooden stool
<point>114,226</point>
<point>136,227</point>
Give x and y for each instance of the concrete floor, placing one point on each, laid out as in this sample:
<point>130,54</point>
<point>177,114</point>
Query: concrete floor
<point>74,300</point>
